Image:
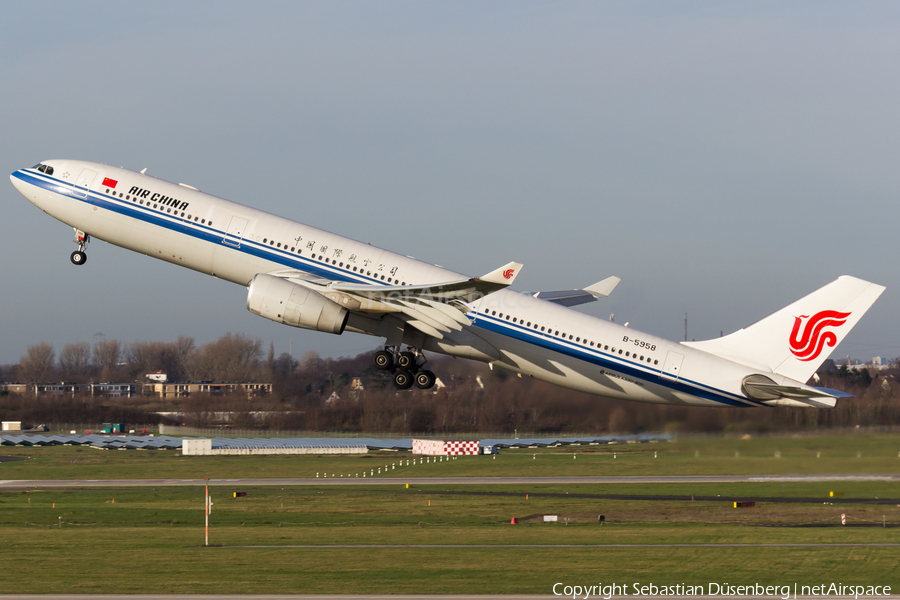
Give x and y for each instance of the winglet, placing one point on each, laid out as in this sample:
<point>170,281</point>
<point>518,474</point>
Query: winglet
<point>604,288</point>
<point>503,276</point>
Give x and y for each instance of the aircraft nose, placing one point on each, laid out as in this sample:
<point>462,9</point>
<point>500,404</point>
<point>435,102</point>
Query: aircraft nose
<point>18,180</point>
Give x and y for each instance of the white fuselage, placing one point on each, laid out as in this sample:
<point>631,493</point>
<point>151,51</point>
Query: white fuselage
<point>516,331</point>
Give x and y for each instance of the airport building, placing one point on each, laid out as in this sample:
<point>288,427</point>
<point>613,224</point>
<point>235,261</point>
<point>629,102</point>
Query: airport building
<point>173,389</point>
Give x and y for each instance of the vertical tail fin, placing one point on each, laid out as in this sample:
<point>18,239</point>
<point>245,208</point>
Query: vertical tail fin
<point>797,339</point>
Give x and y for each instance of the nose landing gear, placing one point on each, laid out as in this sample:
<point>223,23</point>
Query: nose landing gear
<point>79,257</point>
<point>406,367</point>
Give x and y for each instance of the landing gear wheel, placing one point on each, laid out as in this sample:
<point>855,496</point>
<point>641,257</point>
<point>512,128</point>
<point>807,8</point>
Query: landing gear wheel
<point>383,360</point>
<point>407,360</point>
<point>425,380</point>
<point>78,258</point>
<point>403,379</point>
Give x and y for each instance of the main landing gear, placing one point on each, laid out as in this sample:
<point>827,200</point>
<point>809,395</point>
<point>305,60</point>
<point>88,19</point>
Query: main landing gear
<point>79,257</point>
<point>406,367</point>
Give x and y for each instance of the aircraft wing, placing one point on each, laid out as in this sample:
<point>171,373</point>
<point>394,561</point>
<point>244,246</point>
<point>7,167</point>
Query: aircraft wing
<point>434,309</point>
<point>466,289</point>
<point>601,289</point>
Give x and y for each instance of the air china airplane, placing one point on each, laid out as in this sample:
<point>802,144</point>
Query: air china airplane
<point>308,278</point>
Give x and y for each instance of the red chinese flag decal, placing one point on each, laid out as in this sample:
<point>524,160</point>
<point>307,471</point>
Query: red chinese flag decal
<point>110,182</point>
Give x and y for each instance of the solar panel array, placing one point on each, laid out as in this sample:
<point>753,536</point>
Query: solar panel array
<point>164,442</point>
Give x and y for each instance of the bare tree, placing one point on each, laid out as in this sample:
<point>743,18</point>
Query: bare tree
<point>75,361</point>
<point>230,358</point>
<point>106,357</point>
<point>37,364</point>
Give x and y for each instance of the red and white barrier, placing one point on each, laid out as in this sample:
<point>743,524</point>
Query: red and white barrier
<point>445,448</point>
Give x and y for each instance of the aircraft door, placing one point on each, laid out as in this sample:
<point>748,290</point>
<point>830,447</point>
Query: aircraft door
<point>235,232</point>
<point>672,366</point>
<point>83,183</point>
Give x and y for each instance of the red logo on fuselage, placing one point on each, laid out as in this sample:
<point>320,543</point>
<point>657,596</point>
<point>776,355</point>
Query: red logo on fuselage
<point>507,274</point>
<point>809,343</point>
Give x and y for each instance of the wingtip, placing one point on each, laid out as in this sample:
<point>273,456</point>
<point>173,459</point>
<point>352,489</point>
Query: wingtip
<point>604,288</point>
<point>505,275</point>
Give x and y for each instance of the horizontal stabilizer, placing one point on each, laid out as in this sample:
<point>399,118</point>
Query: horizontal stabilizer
<point>601,289</point>
<point>763,389</point>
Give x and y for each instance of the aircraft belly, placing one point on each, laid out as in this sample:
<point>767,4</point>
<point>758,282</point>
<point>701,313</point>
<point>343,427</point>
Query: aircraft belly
<point>563,370</point>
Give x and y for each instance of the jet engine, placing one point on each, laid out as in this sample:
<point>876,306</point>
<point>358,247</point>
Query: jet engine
<point>284,302</point>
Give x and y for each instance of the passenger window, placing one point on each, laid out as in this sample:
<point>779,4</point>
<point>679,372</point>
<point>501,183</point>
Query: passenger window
<point>203,221</point>
<point>279,244</point>
<point>501,315</point>
<point>292,248</point>
<point>578,339</point>
<point>655,362</point>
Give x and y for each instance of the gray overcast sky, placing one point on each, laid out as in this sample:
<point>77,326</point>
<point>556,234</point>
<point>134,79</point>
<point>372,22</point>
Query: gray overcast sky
<point>724,159</point>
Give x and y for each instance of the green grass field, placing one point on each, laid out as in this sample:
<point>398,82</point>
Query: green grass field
<point>81,541</point>
<point>690,456</point>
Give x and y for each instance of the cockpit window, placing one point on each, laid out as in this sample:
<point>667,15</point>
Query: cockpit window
<point>44,168</point>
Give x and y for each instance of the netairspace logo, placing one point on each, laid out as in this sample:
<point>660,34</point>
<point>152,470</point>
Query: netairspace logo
<point>785,592</point>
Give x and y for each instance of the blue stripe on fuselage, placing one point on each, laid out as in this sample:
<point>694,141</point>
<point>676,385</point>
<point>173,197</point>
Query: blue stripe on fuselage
<point>200,232</point>
<point>605,360</point>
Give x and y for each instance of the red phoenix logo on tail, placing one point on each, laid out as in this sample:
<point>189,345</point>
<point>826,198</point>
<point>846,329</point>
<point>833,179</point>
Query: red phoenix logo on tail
<point>507,274</point>
<point>808,344</point>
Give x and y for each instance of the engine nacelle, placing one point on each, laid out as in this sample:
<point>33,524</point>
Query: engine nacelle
<point>284,302</point>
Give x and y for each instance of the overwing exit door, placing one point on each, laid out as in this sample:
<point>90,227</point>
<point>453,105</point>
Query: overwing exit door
<point>672,366</point>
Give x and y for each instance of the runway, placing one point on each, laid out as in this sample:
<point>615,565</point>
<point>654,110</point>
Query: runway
<point>18,484</point>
